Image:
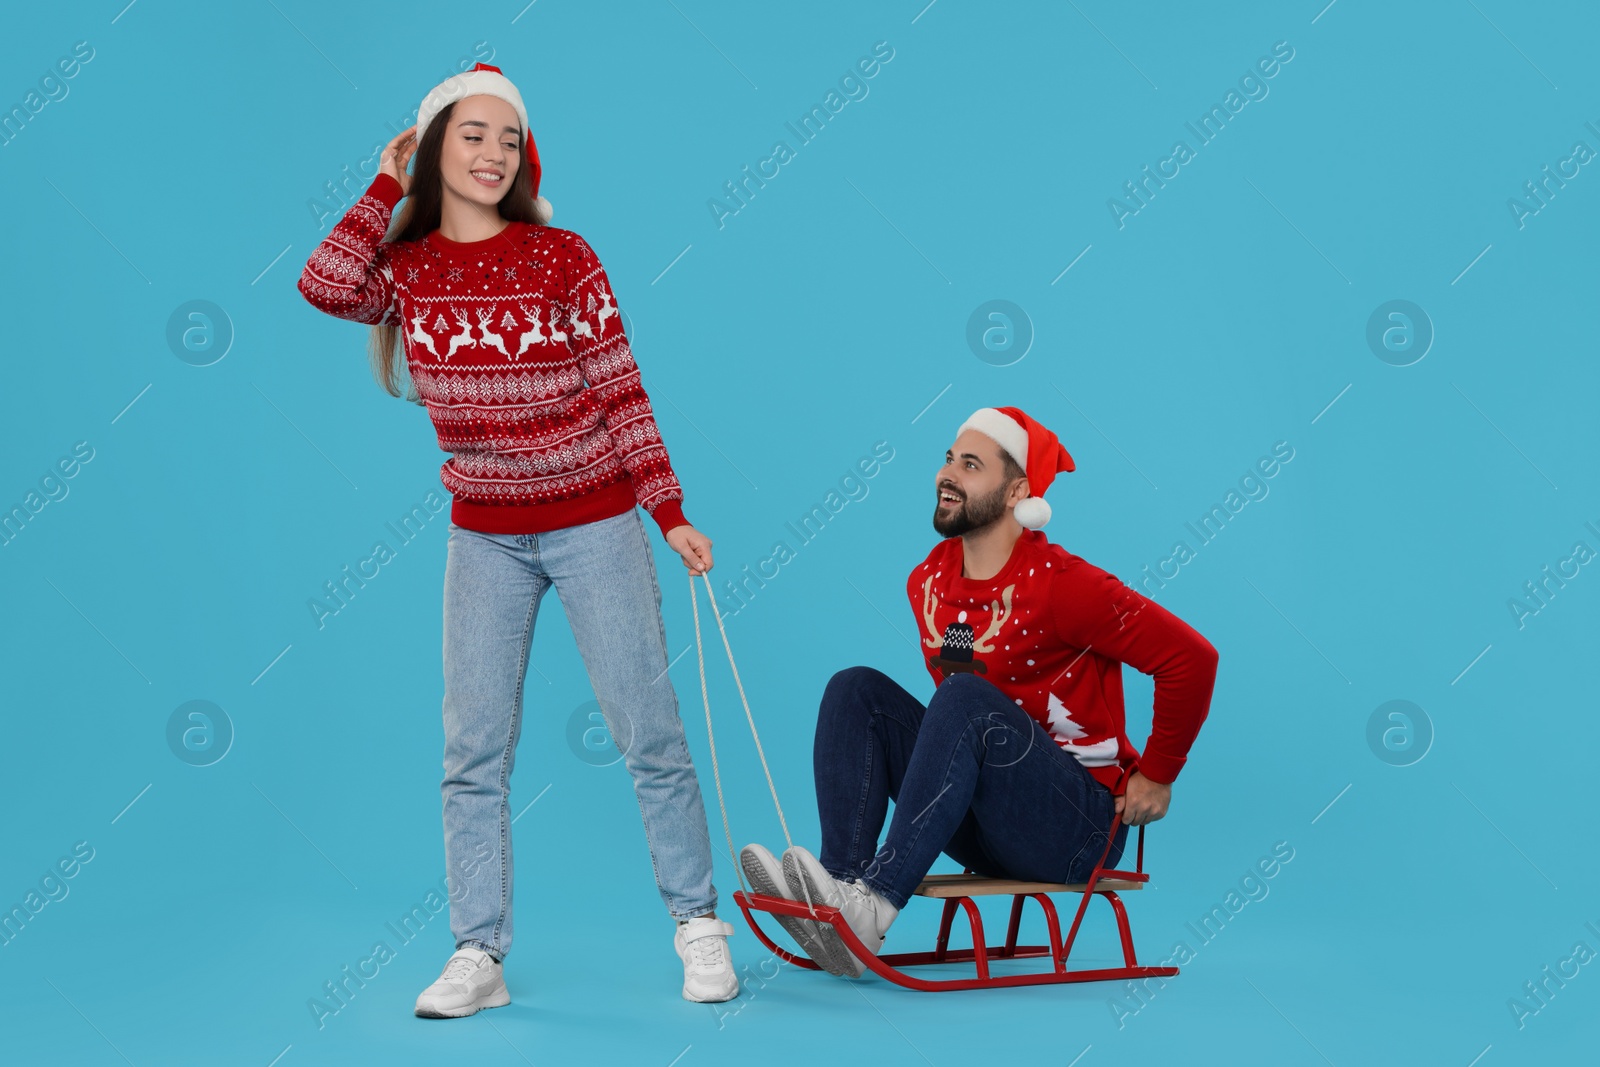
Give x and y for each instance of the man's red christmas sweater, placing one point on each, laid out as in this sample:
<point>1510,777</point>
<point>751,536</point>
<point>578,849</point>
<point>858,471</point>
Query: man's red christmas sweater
<point>1052,631</point>
<point>515,345</point>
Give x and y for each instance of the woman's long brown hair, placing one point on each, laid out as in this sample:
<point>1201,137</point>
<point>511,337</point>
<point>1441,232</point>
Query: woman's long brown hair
<point>418,217</point>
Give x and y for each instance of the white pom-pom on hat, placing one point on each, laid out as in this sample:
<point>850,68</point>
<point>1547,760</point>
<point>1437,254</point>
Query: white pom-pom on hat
<point>1032,512</point>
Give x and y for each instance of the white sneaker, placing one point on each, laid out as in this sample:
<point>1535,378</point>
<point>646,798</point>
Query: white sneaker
<point>868,913</point>
<point>471,980</point>
<point>766,877</point>
<point>707,968</point>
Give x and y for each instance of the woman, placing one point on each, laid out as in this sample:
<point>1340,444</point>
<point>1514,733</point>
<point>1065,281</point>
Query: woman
<point>512,340</point>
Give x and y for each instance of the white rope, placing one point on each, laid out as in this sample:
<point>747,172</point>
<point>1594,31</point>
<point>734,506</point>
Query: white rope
<point>705,698</point>
<point>716,772</point>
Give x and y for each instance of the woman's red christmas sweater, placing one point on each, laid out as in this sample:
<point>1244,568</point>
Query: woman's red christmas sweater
<point>515,345</point>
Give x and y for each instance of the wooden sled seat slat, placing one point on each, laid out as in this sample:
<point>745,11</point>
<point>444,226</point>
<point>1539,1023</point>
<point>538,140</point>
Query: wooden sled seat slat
<point>945,886</point>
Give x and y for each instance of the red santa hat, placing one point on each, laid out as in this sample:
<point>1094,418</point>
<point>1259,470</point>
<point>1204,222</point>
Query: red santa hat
<point>1036,450</point>
<point>485,80</point>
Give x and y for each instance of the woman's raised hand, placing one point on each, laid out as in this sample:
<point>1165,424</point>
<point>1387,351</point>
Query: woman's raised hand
<point>397,156</point>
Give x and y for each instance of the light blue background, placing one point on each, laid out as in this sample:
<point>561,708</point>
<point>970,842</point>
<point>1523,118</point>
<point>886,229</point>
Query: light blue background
<point>829,314</point>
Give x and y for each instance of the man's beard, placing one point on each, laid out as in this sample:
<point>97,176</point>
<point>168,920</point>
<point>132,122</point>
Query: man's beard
<point>971,514</point>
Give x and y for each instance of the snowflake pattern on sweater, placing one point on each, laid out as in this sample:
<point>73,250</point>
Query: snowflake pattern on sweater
<point>515,345</point>
<point>1051,631</point>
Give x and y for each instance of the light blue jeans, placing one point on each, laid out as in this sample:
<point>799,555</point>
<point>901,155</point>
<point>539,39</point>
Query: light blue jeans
<point>605,577</point>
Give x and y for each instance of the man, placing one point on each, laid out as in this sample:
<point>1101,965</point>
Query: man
<point>1019,766</point>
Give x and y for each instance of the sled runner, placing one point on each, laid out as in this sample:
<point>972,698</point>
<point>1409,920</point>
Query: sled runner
<point>956,890</point>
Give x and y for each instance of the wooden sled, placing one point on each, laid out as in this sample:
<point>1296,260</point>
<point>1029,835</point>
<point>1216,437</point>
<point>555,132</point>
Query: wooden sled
<point>957,891</point>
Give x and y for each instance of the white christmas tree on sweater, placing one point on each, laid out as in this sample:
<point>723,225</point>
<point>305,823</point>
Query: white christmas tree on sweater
<point>1061,724</point>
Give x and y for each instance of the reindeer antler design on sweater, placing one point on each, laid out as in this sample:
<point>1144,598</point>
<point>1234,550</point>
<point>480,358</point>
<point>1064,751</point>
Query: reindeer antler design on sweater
<point>997,619</point>
<point>930,604</point>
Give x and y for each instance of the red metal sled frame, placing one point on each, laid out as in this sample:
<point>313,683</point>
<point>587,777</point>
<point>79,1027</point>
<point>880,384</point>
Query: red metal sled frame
<point>979,954</point>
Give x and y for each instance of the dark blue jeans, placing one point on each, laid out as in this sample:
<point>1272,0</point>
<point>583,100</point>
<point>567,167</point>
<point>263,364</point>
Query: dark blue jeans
<point>971,776</point>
